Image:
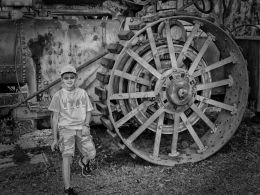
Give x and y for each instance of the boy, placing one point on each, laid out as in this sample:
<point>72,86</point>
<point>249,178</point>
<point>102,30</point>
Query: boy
<point>70,123</point>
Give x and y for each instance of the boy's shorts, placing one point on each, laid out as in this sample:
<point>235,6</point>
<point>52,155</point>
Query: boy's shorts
<point>67,139</point>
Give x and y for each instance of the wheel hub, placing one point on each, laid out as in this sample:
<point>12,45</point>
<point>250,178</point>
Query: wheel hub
<point>178,91</point>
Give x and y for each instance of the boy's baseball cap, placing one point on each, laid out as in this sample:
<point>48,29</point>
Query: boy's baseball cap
<point>67,69</point>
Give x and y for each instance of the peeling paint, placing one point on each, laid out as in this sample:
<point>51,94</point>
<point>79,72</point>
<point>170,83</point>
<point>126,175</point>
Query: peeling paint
<point>56,43</point>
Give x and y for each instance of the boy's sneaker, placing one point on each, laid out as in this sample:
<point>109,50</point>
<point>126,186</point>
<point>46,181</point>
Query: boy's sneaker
<point>85,168</point>
<point>70,191</point>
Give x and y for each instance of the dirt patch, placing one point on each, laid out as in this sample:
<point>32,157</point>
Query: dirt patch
<point>233,170</point>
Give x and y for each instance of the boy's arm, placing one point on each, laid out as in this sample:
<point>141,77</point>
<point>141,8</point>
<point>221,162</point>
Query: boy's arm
<point>55,125</point>
<point>86,128</point>
<point>88,116</point>
<point>55,108</point>
<point>89,108</point>
<point>55,118</point>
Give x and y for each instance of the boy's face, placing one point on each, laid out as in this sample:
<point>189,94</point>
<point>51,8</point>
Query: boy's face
<point>69,80</point>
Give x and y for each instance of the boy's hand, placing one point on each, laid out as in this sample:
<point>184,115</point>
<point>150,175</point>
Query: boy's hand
<point>85,130</point>
<point>54,145</point>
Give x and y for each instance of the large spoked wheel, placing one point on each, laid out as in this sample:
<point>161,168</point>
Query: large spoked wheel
<point>163,89</point>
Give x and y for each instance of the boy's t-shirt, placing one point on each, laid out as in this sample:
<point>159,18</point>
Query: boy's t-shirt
<point>71,106</point>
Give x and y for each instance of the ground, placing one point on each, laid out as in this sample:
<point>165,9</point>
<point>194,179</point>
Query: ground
<point>235,169</point>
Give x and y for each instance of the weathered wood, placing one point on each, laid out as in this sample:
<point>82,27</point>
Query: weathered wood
<point>202,51</point>
<point>224,82</point>
<point>187,44</point>
<point>216,103</point>
<point>153,48</point>
<point>158,136</point>
<point>131,114</point>
<point>131,77</point>
<point>215,65</point>
<point>143,63</point>
<point>175,134</point>
<point>145,125</point>
<point>203,117</point>
<point>120,96</point>
<point>192,132</point>
<point>170,45</point>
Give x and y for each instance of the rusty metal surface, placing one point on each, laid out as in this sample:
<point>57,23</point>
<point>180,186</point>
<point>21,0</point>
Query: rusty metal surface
<point>10,64</point>
<point>53,44</point>
<point>47,45</point>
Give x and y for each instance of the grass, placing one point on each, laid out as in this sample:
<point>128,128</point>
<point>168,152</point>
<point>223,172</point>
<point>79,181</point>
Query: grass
<point>235,169</point>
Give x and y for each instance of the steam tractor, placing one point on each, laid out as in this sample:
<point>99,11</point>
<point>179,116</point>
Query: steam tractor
<point>170,85</point>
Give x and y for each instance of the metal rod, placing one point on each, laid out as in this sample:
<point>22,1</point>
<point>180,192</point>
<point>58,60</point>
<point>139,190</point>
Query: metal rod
<point>59,79</point>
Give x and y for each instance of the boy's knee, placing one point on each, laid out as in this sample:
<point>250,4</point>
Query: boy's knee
<point>67,158</point>
<point>92,154</point>
<point>89,151</point>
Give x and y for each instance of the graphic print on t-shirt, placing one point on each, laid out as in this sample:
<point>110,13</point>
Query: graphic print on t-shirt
<point>64,103</point>
<point>70,102</point>
<point>78,103</point>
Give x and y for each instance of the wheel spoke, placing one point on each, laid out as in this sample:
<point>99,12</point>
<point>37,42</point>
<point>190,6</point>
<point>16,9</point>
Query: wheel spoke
<point>224,82</point>
<point>215,65</point>
<point>201,53</point>
<point>218,104</point>
<point>142,106</point>
<point>132,78</point>
<point>158,137</point>
<point>145,125</point>
<point>153,48</point>
<point>193,133</point>
<point>204,117</point>
<point>143,63</point>
<point>175,134</point>
<point>188,42</point>
<point>170,45</point>
<point>120,96</point>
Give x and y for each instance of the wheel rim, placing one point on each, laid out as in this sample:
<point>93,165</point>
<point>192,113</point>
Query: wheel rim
<point>159,102</point>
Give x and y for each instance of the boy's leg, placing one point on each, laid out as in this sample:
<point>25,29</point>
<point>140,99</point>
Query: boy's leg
<point>66,162</point>
<point>67,147</point>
